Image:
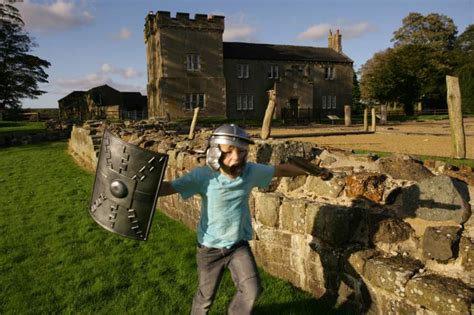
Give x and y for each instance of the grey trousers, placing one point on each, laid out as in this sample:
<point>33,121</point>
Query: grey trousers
<point>211,264</point>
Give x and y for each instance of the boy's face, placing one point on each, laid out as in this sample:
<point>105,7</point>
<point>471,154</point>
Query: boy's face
<point>233,158</point>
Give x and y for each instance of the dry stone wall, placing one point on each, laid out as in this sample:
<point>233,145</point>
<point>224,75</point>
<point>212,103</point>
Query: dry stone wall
<point>382,236</point>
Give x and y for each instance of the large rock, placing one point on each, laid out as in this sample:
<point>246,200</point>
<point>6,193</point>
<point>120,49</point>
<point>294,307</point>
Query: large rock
<point>440,294</point>
<point>440,242</point>
<point>392,230</point>
<point>366,185</point>
<point>466,253</point>
<point>293,213</point>
<point>391,273</point>
<point>324,188</point>
<point>439,198</point>
<point>403,167</point>
<point>335,225</point>
<point>267,208</point>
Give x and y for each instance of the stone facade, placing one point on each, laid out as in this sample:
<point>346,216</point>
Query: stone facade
<point>234,78</point>
<point>344,239</point>
<point>103,102</point>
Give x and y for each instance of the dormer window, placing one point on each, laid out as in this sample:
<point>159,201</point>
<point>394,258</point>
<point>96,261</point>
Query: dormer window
<point>193,62</point>
<point>273,72</point>
<point>329,73</point>
<point>242,71</point>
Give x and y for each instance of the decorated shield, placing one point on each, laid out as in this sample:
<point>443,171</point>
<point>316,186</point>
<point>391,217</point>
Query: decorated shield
<point>127,182</point>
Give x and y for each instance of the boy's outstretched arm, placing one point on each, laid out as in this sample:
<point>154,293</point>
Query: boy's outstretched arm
<point>166,189</point>
<point>290,170</point>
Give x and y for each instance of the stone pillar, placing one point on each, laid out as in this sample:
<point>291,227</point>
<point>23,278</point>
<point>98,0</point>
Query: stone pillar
<point>267,120</point>
<point>383,114</point>
<point>193,123</point>
<point>347,115</point>
<point>455,117</point>
<point>366,123</point>
<point>372,128</point>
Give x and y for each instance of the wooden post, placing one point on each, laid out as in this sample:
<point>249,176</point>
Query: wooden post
<point>193,123</point>
<point>383,114</point>
<point>455,117</point>
<point>373,120</point>
<point>347,115</point>
<point>366,123</point>
<point>267,120</point>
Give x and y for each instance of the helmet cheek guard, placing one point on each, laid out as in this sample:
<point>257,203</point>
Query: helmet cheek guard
<point>213,156</point>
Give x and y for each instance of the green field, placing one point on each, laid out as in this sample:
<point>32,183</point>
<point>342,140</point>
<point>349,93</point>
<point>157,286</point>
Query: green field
<point>21,126</point>
<point>55,259</point>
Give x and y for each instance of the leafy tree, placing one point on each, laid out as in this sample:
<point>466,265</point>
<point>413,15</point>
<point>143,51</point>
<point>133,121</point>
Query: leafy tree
<point>435,30</point>
<point>356,104</point>
<point>464,56</point>
<point>414,69</point>
<point>20,72</point>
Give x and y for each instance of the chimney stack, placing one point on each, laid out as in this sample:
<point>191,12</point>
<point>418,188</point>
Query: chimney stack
<point>335,41</point>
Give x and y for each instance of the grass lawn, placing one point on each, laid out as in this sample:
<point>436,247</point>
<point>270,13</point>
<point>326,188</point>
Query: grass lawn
<point>55,259</point>
<point>21,126</point>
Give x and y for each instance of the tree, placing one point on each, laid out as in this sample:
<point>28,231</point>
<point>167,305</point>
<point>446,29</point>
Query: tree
<point>435,30</point>
<point>414,70</point>
<point>20,72</point>
<point>464,69</point>
<point>356,104</point>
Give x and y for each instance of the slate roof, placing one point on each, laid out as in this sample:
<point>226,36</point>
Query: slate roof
<point>235,50</point>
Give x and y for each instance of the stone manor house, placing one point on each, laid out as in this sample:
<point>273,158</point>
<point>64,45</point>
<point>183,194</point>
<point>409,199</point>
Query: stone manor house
<point>189,65</point>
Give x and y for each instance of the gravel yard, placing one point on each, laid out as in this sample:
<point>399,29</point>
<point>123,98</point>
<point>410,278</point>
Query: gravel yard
<point>418,138</point>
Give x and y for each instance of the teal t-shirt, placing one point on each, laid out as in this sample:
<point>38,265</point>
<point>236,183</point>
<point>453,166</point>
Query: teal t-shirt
<point>225,215</point>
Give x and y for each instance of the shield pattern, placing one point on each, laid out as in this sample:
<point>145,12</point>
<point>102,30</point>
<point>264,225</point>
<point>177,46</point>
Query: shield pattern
<point>127,182</point>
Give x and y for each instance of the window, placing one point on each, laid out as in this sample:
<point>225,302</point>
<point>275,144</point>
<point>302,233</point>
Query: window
<point>244,102</point>
<point>194,100</point>
<point>273,72</point>
<point>193,62</point>
<point>328,102</point>
<point>242,71</point>
<point>329,73</point>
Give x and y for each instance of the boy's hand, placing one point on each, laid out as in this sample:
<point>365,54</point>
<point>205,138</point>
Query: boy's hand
<point>311,168</point>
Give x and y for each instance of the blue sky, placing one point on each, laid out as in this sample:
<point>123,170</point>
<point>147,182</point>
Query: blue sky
<point>93,42</point>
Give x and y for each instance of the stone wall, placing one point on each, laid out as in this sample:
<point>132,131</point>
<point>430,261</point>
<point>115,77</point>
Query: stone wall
<point>382,236</point>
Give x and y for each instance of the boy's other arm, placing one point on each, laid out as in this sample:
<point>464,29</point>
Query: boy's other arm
<point>290,170</point>
<point>166,189</point>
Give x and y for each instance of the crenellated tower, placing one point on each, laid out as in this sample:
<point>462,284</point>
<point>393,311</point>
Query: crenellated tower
<point>184,64</point>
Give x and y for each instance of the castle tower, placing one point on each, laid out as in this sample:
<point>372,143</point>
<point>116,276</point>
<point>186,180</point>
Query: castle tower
<point>184,64</point>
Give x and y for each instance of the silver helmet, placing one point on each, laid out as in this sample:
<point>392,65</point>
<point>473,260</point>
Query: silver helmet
<point>226,134</point>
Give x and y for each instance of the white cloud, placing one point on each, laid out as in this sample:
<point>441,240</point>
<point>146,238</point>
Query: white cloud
<point>84,83</point>
<point>127,73</point>
<point>238,32</point>
<point>124,34</point>
<point>315,32</point>
<point>58,15</point>
<point>347,29</point>
<point>107,74</point>
<point>238,27</point>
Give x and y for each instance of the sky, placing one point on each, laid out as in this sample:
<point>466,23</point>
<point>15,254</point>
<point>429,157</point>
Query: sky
<point>95,42</point>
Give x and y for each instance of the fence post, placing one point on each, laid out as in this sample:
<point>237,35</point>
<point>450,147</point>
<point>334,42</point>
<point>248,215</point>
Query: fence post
<point>383,114</point>
<point>347,115</point>
<point>267,120</point>
<point>373,120</point>
<point>455,117</point>
<point>193,123</point>
<point>366,123</point>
